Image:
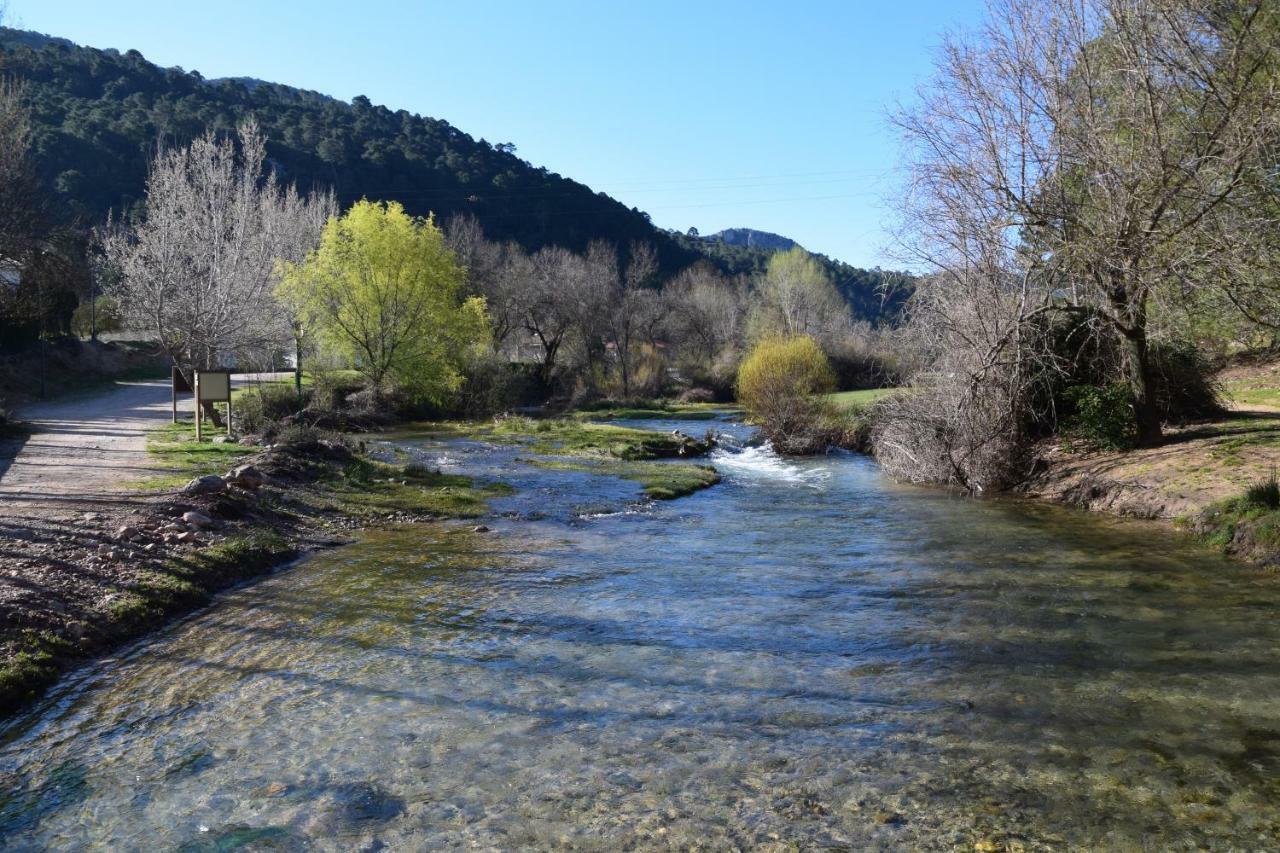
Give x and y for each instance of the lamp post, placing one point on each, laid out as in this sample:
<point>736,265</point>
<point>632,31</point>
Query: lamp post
<point>298,332</point>
<point>40,313</point>
<point>93,307</point>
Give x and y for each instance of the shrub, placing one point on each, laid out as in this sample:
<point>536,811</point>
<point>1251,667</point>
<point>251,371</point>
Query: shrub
<point>1102,417</point>
<point>331,390</point>
<point>697,395</point>
<point>779,383</point>
<point>260,409</point>
<point>1264,493</point>
<point>1185,383</point>
<point>952,431</point>
<point>105,315</point>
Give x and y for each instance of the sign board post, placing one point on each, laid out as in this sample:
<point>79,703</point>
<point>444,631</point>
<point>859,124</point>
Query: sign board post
<point>212,386</point>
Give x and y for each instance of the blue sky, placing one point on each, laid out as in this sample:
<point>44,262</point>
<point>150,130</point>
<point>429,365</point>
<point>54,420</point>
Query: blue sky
<point>705,114</point>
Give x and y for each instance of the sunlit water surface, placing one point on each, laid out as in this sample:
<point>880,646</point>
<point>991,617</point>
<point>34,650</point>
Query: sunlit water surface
<point>804,656</point>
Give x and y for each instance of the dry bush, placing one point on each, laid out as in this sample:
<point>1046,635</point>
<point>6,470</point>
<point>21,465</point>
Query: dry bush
<point>986,367</point>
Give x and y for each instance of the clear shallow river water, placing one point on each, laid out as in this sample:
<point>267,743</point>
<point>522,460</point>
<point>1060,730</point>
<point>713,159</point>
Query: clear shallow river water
<point>802,657</point>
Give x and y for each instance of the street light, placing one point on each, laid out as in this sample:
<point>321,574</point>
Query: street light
<point>298,332</point>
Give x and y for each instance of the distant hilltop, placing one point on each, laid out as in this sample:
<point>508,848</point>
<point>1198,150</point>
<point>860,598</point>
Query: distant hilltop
<point>750,238</point>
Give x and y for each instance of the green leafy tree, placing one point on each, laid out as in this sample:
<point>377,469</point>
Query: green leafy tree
<point>385,291</point>
<point>781,384</point>
<point>797,298</point>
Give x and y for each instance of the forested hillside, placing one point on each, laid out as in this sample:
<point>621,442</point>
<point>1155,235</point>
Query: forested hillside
<point>99,116</point>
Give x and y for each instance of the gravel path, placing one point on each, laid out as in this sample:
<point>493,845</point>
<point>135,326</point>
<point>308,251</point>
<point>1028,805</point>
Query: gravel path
<point>84,450</point>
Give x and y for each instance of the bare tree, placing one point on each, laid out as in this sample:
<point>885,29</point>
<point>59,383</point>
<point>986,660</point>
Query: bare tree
<point>500,272</point>
<point>706,315</point>
<point>1098,152</point>
<point>551,311</point>
<point>633,307</point>
<point>199,270</point>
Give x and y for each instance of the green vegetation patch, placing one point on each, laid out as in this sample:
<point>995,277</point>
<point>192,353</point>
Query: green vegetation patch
<point>854,401</point>
<point>30,665</point>
<point>661,481</point>
<point>367,486</point>
<point>1254,391</point>
<point>563,436</point>
<point>174,447</point>
<point>182,583</point>
<point>1246,526</point>
<point>654,410</point>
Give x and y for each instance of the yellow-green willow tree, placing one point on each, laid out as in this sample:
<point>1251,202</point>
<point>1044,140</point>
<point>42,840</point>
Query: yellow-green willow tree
<point>385,291</point>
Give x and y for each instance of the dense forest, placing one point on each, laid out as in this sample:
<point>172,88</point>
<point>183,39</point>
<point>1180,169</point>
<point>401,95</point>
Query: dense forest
<point>98,117</point>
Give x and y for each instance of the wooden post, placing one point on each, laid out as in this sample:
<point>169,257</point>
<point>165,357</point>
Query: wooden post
<point>198,418</point>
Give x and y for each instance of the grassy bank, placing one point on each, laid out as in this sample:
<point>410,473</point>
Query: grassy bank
<point>93,584</point>
<point>174,448</point>
<point>855,401</point>
<point>96,583</point>
<point>661,481</point>
<point>35,657</point>
<point>655,410</point>
<point>606,449</point>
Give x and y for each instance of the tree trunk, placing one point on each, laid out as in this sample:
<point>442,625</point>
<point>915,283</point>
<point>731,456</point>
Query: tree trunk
<point>213,414</point>
<point>1137,368</point>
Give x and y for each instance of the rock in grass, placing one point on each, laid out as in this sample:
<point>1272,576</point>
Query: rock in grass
<point>248,477</point>
<point>206,485</point>
<point>199,519</point>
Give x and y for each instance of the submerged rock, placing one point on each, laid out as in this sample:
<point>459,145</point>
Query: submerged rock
<point>365,801</point>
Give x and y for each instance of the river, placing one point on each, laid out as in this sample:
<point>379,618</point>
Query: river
<point>805,656</point>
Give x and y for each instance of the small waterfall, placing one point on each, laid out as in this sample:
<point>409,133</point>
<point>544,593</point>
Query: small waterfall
<point>761,464</point>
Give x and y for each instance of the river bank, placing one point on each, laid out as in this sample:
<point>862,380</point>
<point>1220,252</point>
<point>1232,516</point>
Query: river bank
<point>85,577</point>
<point>1197,480</point>
<point>804,656</point>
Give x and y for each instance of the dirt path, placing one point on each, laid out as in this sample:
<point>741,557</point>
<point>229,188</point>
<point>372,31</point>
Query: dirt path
<point>1194,467</point>
<point>84,450</point>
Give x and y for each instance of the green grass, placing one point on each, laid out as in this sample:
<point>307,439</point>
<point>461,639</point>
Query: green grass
<point>660,480</point>
<point>34,660</point>
<point>367,486</point>
<point>561,436</point>
<point>654,410</point>
<point>853,401</point>
<point>1245,526</point>
<point>1269,397</point>
<point>174,447</point>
